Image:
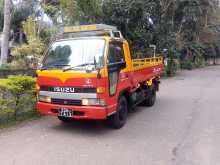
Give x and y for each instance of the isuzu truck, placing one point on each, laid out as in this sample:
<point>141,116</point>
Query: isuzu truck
<point>88,73</point>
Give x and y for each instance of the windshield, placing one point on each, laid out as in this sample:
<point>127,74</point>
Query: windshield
<point>77,54</point>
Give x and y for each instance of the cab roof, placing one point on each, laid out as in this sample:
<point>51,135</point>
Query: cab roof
<point>93,30</point>
<point>92,27</point>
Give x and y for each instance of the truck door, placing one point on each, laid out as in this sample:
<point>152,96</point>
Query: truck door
<point>115,63</point>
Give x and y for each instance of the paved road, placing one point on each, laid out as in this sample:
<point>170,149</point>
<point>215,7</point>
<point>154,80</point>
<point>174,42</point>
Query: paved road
<point>183,128</point>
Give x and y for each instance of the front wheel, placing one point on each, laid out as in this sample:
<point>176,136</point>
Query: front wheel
<point>119,119</point>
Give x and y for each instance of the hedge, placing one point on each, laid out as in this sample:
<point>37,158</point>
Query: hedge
<point>17,97</point>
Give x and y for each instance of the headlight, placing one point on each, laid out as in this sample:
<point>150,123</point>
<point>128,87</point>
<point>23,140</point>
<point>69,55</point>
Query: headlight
<point>93,102</point>
<point>45,99</point>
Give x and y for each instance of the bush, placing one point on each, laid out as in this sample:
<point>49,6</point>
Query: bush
<point>199,62</point>
<point>17,93</point>
<point>172,67</point>
<point>5,67</point>
<point>187,64</point>
<point>28,55</point>
<point>171,62</point>
<point>46,34</point>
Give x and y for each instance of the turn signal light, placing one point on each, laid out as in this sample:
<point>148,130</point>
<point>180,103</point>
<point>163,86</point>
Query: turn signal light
<point>100,90</point>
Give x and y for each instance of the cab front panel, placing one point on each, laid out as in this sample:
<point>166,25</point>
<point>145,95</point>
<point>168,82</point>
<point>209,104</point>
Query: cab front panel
<point>70,93</point>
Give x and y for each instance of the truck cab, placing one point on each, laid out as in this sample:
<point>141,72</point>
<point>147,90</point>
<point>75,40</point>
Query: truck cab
<point>88,73</point>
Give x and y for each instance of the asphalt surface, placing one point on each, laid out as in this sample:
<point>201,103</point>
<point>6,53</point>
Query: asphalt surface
<point>183,128</point>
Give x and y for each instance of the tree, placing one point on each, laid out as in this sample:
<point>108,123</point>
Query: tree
<point>6,31</point>
<point>33,48</point>
<point>91,10</point>
<point>1,15</point>
<point>21,11</point>
<point>187,26</point>
<point>73,11</point>
<point>137,19</point>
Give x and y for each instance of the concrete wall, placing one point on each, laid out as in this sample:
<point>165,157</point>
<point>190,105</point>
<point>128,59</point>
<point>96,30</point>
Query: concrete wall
<point>211,61</point>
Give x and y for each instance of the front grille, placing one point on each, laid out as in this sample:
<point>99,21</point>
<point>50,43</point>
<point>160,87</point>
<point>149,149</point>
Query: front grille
<point>76,89</point>
<point>66,102</point>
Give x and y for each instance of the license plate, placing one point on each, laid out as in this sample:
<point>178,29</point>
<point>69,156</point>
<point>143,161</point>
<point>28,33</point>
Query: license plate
<point>63,112</point>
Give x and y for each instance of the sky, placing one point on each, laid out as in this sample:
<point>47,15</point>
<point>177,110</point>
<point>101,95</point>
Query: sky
<point>45,17</point>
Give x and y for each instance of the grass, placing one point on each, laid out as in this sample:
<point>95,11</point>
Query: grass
<point>3,81</point>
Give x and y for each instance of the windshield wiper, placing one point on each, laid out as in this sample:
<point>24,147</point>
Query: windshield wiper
<point>53,66</point>
<point>78,66</point>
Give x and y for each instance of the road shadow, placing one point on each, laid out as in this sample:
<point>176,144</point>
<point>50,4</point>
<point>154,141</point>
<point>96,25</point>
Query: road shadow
<point>84,127</point>
<point>91,127</point>
<point>99,128</point>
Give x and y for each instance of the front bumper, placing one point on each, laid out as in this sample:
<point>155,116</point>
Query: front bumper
<point>81,112</point>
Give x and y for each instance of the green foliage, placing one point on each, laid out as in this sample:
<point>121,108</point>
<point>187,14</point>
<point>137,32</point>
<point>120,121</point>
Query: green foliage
<point>178,25</point>
<point>195,56</point>
<point>17,93</point>
<point>5,66</point>
<point>91,10</point>
<point>18,85</point>
<point>70,11</point>
<point>199,62</point>
<point>51,10</point>
<point>28,55</point>
<point>30,28</point>
<point>172,62</point>
<point>187,64</point>
<point>33,49</point>
<point>74,11</point>
<point>132,18</point>
<point>25,9</point>
<point>19,15</point>
<point>46,34</point>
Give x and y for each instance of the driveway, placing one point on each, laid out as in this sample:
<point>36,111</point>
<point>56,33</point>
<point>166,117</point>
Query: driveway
<point>183,128</point>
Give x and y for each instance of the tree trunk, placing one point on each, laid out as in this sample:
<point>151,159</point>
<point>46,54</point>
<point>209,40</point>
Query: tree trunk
<point>6,31</point>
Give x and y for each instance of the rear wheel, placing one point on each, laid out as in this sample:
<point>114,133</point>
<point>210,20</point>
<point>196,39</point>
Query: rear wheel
<point>151,99</point>
<point>119,119</point>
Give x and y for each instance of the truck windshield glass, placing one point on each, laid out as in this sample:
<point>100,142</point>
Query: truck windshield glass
<point>76,54</point>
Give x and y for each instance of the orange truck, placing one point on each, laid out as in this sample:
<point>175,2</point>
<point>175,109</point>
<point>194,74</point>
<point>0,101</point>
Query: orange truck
<point>88,73</point>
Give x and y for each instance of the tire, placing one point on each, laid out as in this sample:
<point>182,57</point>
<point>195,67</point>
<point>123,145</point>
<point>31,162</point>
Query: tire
<point>119,119</point>
<point>150,101</point>
<point>64,119</point>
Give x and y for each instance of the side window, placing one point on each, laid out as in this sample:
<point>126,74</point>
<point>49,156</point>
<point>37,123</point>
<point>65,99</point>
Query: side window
<point>116,53</point>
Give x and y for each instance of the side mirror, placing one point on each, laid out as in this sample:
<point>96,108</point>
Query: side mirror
<point>39,66</point>
<point>118,66</point>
